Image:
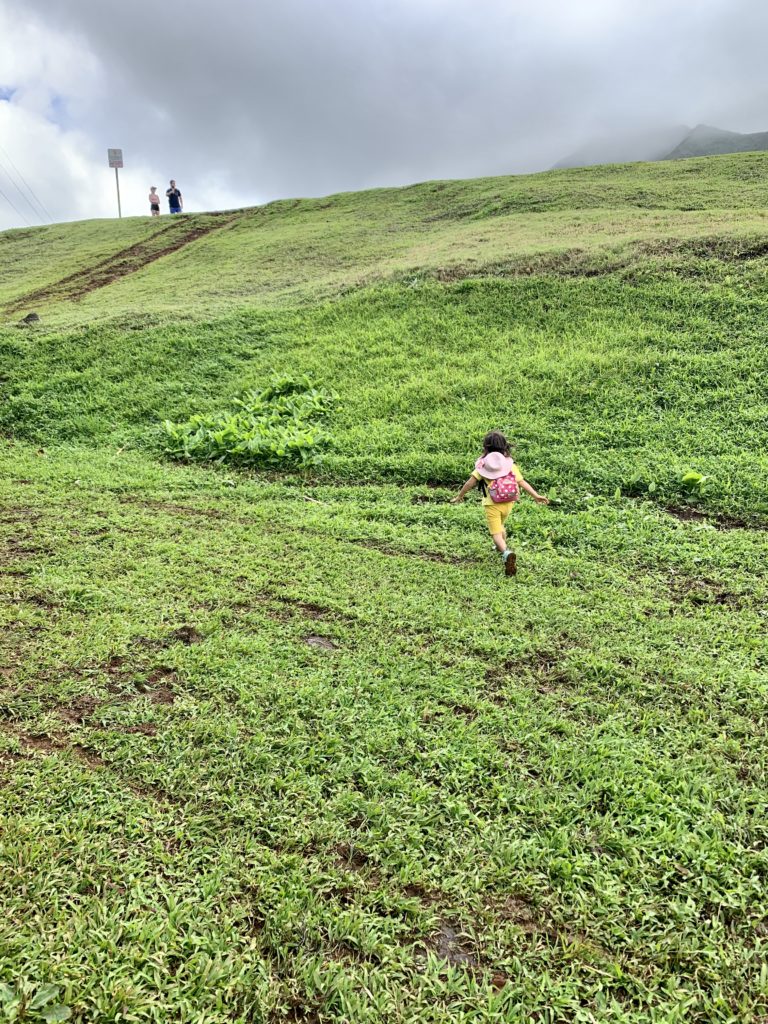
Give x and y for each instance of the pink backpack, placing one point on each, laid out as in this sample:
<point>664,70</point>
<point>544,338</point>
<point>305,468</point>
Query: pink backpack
<point>504,489</point>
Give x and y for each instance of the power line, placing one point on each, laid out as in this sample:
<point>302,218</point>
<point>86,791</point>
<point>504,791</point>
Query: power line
<point>28,187</point>
<point>9,176</point>
<point>14,207</point>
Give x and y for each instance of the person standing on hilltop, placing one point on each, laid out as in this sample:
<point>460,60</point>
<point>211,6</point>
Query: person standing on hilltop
<point>154,201</point>
<point>175,202</point>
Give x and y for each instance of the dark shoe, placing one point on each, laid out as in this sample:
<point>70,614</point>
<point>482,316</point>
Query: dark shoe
<point>510,564</point>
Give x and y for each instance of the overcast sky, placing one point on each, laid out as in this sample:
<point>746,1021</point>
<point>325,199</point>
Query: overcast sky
<point>243,101</point>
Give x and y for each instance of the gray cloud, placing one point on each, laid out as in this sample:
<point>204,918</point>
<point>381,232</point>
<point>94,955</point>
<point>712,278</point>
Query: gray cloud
<point>245,101</point>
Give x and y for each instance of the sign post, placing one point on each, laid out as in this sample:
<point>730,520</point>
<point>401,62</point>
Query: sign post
<point>116,160</point>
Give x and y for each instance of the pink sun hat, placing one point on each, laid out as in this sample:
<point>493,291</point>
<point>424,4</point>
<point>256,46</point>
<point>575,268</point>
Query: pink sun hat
<point>494,465</point>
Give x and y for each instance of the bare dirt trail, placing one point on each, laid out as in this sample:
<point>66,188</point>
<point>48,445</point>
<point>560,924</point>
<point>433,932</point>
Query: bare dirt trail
<point>167,240</point>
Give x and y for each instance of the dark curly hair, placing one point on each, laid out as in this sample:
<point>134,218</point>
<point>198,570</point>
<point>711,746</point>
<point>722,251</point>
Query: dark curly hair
<point>495,441</point>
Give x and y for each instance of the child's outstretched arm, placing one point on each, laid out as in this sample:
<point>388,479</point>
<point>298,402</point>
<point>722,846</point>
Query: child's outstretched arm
<point>538,498</point>
<point>472,482</point>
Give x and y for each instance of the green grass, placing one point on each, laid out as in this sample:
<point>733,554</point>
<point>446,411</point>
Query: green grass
<point>290,747</point>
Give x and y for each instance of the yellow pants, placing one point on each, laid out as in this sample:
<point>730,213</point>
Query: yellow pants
<point>496,515</point>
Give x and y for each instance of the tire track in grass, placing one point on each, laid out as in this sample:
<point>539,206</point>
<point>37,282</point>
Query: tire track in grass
<point>120,264</point>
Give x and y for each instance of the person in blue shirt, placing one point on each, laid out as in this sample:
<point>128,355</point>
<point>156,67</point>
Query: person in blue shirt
<point>175,202</point>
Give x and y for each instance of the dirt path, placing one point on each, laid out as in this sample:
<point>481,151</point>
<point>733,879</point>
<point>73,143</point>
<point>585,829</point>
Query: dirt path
<point>127,261</point>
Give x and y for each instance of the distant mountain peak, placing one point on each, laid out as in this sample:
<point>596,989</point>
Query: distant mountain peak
<point>709,129</point>
<point>670,143</point>
<point>706,140</point>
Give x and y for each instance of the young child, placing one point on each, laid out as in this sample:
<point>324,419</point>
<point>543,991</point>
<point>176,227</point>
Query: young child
<point>500,483</point>
<point>154,202</point>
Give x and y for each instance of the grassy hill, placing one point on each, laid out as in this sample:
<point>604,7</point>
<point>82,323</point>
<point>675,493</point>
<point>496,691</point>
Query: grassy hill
<point>306,250</point>
<point>286,745</point>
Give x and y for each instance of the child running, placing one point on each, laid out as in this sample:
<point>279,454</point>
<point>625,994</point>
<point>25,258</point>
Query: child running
<point>500,483</point>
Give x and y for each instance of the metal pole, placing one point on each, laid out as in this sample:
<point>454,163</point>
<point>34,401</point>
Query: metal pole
<point>117,183</point>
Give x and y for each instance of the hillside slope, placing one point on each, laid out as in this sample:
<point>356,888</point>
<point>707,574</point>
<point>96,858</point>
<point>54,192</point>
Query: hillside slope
<point>305,250</point>
<point>285,744</point>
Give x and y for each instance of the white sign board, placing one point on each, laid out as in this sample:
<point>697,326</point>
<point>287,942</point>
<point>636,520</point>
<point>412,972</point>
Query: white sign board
<point>115,157</point>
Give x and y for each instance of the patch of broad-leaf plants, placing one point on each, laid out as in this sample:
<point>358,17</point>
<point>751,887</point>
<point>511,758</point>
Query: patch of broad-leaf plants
<point>275,426</point>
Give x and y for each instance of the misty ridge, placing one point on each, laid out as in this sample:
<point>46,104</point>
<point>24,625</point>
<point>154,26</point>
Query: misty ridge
<point>673,142</point>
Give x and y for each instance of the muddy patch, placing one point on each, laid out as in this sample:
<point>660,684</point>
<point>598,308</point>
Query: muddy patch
<point>162,695</point>
<point>42,601</point>
<point>322,643</point>
<point>32,744</point>
<point>88,756</point>
<point>538,926</point>
<point>12,514</point>
<point>549,674</point>
<point>126,682</point>
<point>142,729</point>
<point>542,669</point>
<point>449,943</point>
<point>158,685</point>
<point>307,608</point>
<point>289,606</point>
<point>186,635</point>
<point>694,592</point>
<point>463,711</point>
<point>20,549</point>
<point>78,711</point>
<point>350,857</point>
<point>686,514</point>
<point>426,897</point>
<point>116,664</point>
<point>81,710</point>
<point>300,1013</point>
<point>39,743</point>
